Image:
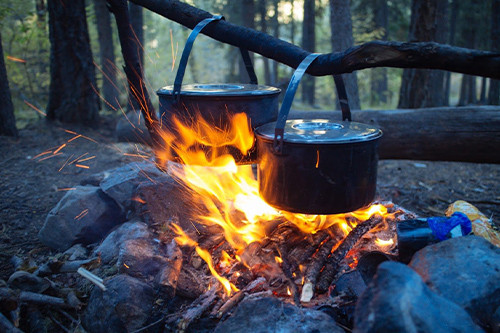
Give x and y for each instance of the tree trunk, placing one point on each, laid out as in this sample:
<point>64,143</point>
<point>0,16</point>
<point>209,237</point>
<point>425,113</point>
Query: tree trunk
<point>72,96</point>
<point>275,79</point>
<point>424,88</point>
<point>263,28</point>
<point>466,134</point>
<point>7,119</point>
<point>292,21</point>
<point>494,90</point>
<point>137,22</point>
<point>308,44</point>
<point>248,20</point>
<point>453,29</point>
<point>341,25</point>
<point>378,82</point>
<point>107,55</point>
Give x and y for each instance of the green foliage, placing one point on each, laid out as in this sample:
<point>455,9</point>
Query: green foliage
<point>25,37</point>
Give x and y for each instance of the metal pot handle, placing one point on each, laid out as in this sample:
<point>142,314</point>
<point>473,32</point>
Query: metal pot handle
<point>279,130</point>
<point>187,50</point>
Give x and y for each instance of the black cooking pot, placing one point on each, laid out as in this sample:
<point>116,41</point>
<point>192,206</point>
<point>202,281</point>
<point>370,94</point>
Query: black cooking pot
<point>317,166</point>
<point>215,103</point>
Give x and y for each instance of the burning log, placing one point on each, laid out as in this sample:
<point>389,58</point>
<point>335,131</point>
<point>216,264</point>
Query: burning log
<point>373,54</point>
<point>315,267</point>
<point>237,297</point>
<point>333,264</point>
<point>195,310</point>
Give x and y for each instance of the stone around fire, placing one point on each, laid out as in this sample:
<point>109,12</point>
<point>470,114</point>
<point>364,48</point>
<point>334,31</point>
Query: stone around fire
<point>397,300</point>
<point>465,270</point>
<point>121,183</point>
<point>123,307</point>
<point>110,247</point>
<point>84,215</point>
<point>269,314</point>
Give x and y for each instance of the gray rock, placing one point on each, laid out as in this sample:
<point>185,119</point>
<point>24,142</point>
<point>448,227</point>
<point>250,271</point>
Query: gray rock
<point>125,132</point>
<point>495,321</point>
<point>123,307</point>
<point>76,252</point>
<point>110,247</point>
<point>269,314</point>
<point>121,183</point>
<point>166,202</point>
<point>141,258</point>
<point>465,270</point>
<point>84,215</point>
<point>397,300</point>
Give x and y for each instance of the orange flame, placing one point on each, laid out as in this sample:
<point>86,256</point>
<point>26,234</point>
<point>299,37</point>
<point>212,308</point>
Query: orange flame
<point>229,192</point>
<point>184,240</point>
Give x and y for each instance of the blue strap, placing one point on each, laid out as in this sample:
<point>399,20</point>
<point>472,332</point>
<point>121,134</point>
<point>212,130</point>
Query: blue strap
<point>441,226</point>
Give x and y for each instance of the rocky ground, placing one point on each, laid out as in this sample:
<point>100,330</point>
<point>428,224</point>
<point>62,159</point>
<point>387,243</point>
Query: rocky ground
<point>31,185</point>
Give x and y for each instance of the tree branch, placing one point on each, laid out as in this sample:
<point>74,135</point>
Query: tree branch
<point>373,54</point>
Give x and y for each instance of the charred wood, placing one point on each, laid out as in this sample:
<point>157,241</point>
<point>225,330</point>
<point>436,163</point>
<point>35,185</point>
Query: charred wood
<point>465,134</point>
<point>7,326</point>
<point>372,54</point>
<point>286,267</point>
<point>334,261</point>
<point>314,269</point>
<point>196,309</point>
<point>238,296</point>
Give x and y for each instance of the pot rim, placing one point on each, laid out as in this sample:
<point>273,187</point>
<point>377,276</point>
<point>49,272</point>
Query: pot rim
<point>321,131</point>
<point>220,89</point>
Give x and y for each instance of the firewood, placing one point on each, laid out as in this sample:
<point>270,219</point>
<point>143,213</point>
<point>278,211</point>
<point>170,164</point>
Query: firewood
<point>237,297</point>
<point>34,298</point>
<point>287,271</point>
<point>315,267</point>
<point>333,263</point>
<point>92,278</point>
<point>197,308</point>
<point>57,266</point>
<point>7,326</point>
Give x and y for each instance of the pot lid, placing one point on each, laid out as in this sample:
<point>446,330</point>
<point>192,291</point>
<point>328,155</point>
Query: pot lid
<point>321,131</point>
<point>221,89</point>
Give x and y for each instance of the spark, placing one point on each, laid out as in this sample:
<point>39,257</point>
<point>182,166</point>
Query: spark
<point>139,200</point>
<point>59,149</point>
<point>65,163</point>
<point>86,159</point>
<point>66,189</point>
<point>82,214</point>
<point>82,166</point>
<point>41,154</point>
<point>77,159</point>
<point>50,156</point>
<point>16,59</point>
<point>75,137</point>
<point>35,108</point>
<point>80,135</point>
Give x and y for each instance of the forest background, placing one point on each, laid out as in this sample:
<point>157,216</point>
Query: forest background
<point>307,23</point>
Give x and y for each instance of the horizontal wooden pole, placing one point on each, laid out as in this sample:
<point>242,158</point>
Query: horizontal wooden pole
<point>466,134</point>
<point>372,54</point>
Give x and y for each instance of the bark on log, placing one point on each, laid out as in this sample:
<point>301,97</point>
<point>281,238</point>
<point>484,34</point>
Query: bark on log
<point>372,54</point>
<point>465,134</point>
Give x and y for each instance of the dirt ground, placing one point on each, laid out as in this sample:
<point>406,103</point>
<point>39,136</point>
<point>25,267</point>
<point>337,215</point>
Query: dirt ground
<point>31,185</point>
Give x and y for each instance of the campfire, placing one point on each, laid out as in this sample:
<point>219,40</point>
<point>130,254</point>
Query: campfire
<point>244,238</point>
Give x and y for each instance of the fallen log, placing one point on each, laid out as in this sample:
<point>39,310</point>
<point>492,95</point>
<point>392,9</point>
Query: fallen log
<point>464,134</point>
<point>373,54</point>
